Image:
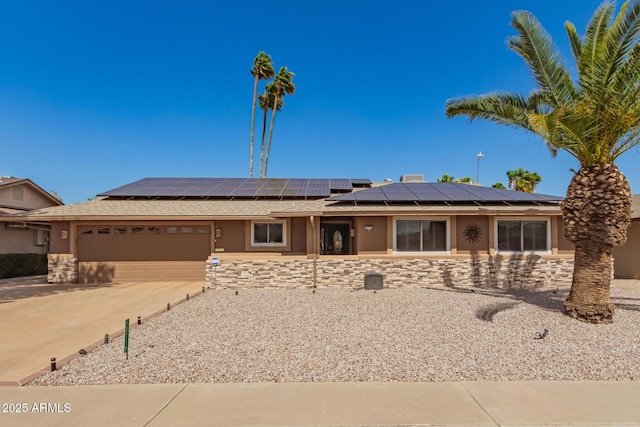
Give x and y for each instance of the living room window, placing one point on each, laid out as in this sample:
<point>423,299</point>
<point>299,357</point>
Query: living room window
<point>422,235</point>
<point>522,235</point>
<point>268,233</point>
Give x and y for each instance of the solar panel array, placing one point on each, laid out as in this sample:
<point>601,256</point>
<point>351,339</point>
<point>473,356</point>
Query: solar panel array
<point>243,188</point>
<point>440,192</point>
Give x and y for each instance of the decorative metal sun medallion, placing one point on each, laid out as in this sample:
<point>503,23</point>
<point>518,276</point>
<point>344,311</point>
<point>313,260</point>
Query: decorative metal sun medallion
<point>472,233</point>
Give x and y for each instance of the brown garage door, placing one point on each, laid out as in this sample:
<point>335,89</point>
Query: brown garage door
<point>143,252</point>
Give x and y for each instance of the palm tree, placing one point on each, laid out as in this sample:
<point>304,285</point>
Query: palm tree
<point>281,86</point>
<point>499,186</point>
<point>595,118</point>
<point>265,101</point>
<point>464,179</point>
<point>262,70</point>
<point>523,180</point>
<point>446,178</point>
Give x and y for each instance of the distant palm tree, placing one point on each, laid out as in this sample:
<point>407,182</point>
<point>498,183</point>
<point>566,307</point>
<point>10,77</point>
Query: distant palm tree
<point>523,180</point>
<point>265,102</point>
<point>595,118</point>
<point>499,185</point>
<point>262,70</point>
<point>281,86</point>
<point>464,179</point>
<point>446,178</point>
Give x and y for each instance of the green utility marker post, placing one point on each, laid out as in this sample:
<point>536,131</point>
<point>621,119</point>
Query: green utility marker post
<point>126,338</point>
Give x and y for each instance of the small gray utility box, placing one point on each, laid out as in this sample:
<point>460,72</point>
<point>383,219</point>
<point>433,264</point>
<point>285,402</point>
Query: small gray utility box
<point>372,280</point>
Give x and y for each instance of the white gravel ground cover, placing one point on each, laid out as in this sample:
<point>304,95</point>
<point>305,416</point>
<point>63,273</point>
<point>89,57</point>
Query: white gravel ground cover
<point>408,334</point>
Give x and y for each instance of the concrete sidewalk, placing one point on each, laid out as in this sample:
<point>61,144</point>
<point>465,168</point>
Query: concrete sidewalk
<point>517,403</point>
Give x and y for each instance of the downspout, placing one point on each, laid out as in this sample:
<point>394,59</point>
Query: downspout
<point>315,251</point>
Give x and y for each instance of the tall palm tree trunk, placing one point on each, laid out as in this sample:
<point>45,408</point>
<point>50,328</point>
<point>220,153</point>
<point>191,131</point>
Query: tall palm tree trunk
<point>253,119</point>
<point>597,214</point>
<point>273,117</point>
<point>264,132</point>
<point>589,299</point>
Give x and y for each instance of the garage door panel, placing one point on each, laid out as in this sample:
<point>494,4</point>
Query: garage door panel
<point>104,272</point>
<point>98,247</point>
<point>129,252</point>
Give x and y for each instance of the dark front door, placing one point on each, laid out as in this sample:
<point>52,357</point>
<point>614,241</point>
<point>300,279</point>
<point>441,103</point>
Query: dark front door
<point>334,239</point>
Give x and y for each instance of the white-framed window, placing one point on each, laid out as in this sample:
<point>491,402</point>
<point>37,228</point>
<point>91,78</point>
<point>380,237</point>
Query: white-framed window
<point>523,235</point>
<point>269,233</point>
<point>421,235</point>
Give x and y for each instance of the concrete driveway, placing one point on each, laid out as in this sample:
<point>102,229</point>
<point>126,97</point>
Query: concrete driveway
<point>39,321</point>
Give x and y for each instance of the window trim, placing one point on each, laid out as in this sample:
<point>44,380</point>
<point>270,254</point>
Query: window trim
<point>447,221</point>
<point>267,244</point>
<point>547,219</point>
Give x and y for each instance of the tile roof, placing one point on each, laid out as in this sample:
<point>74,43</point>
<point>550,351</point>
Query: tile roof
<point>219,209</point>
<point>172,209</point>
<point>10,211</point>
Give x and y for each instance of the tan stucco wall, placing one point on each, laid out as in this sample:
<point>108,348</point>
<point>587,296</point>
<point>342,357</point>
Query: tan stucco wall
<point>58,245</point>
<point>374,241</point>
<point>233,236</point>
<point>627,257</point>
<point>464,246</point>
<point>31,199</point>
<point>19,241</point>
<point>298,235</point>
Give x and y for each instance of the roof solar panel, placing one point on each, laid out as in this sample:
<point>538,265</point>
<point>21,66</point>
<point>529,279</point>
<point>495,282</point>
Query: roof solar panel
<point>400,197</point>
<point>361,181</point>
<point>372,194</point>
<point>460,197</point>
<point>340,184</point>
<point>439,192</point>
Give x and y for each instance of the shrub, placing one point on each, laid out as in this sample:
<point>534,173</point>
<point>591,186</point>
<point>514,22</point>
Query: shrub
<point>19,265</point>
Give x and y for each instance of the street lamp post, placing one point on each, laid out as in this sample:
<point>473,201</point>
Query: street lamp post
<point>479,156</point>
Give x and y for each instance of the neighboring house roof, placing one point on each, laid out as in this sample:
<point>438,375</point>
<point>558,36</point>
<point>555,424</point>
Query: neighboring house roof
<point>10,182</point>
<point>635,207</point>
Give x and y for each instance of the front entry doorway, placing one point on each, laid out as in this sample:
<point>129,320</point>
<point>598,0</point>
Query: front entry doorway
<point>335,238</point>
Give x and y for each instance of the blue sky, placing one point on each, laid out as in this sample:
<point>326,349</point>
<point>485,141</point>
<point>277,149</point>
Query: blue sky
<point>94,95</point>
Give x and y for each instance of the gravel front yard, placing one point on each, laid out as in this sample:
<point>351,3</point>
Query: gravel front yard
<point>418,334</point>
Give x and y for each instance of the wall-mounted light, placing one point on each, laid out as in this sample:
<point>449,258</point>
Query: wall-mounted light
<point>218,232</point>
<point>368,227</point>
<point>64,234</point>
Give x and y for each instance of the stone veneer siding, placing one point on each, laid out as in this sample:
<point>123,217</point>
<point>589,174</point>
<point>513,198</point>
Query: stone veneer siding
<point>62,268</point>
<point>498,271</point>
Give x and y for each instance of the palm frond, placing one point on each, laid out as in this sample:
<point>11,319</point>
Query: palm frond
<point>262,67</point>
<point>504,108</point>
<point>595,34</point>
<point>574,40</point>
<point>535,46</point>
<point>596,119</point>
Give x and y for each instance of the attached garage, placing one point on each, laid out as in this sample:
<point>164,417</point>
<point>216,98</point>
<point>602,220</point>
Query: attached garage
<point>142,251</point>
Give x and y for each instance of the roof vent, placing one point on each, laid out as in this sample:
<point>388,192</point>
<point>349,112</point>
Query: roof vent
<point>412,177</point>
